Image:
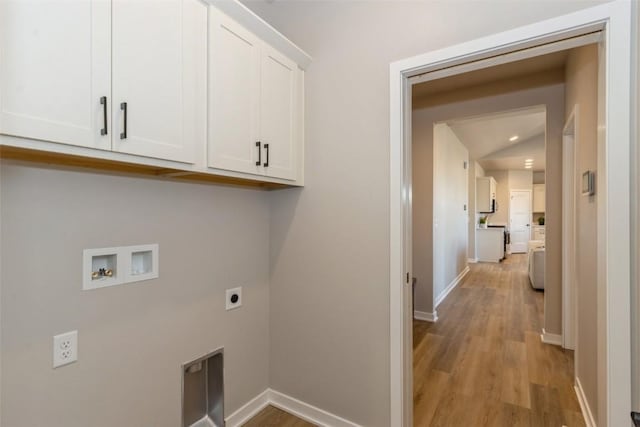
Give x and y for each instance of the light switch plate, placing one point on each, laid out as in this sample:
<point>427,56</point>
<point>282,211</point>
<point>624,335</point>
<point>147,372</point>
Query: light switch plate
<point>65,348</point>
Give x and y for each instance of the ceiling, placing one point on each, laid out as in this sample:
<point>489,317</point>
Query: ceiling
<point>487,138</point>
<point>507,71</point>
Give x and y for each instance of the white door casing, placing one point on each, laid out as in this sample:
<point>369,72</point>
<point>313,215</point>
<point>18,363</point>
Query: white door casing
<point>519,220</point>
<point>613,184</point>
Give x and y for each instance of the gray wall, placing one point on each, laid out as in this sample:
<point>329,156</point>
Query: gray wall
<point>582,90</point>
<point>132,338</point>
<point>330,260</point>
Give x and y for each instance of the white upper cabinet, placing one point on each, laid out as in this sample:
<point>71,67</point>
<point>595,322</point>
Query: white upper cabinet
<point>180,87</point>
<point>159,78</point>
<point>539,198</point>
<point>55,69</point>
<point>253,103</point>
<point>234,74</point>
<point>278,114</point>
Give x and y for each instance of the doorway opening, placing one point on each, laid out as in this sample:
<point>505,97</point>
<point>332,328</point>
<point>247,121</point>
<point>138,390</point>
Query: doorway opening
<point>613,264</point>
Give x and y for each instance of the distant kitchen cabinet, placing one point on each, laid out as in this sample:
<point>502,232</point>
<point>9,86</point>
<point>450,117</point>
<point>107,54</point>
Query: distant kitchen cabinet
<point>538,198</point>
<point>490,244</point>
<point>537,232</point>
<point>486,194</point>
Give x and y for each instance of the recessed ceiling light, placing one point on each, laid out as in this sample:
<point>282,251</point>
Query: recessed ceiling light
<point>529,160</point>
<point>528,166</point>
<point>514,138</point>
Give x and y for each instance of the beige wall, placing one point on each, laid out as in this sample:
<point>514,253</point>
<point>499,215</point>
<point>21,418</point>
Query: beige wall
<point>132,338</point>
<point>450,220</point>
<point>581,90</point>
<point>330,241</point>
<point>422,199</point>
<point>538,177</point>
<point>475,171</point>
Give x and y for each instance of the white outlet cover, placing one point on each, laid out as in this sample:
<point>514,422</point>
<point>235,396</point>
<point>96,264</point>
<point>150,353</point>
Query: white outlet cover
<point>65,348</point>
<point>229,294</point>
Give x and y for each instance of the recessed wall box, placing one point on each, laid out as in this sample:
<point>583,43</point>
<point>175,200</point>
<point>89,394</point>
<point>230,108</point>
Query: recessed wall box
<point>115,266</point>
<point>101,268</point>
<point>144,262</point>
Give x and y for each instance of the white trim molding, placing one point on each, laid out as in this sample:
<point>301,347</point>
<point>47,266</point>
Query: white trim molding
<point>451,286</point>
<point>589,420</point>
<point>306,411</point>
<point>548,338</point>
<point>613,186</point>
<point>472,260</point>
<point>426,316</point>
<point>288,404</point>
<point>248,410</point>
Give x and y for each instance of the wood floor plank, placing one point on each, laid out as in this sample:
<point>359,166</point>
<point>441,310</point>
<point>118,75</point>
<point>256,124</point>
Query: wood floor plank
<point>488,365</point>
<point>274,417</point>
<point>515,384</point>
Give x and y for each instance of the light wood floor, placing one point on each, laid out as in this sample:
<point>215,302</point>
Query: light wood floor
<point>274,417</point>
<point>483,364</point>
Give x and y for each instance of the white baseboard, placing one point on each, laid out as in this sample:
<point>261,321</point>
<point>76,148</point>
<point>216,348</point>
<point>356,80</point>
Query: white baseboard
<point>451,286</point>
<point>584,405</point>
<point>288,404</point>
<point>426,316</point>
<point>248,410</point>
<point>548,338</point>
<point>306,411</point>
<point>472,260</point>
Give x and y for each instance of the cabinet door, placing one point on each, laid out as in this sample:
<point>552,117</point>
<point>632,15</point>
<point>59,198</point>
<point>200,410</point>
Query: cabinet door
<point>539,198</point>
<point>234,78</point>
<point>159,78</point>
<point>55,68</point>
<point>278,113</point>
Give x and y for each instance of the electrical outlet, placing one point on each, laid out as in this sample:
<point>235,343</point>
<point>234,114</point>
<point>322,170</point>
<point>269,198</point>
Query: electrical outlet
<point>65,348</point>
<point>234,298</point>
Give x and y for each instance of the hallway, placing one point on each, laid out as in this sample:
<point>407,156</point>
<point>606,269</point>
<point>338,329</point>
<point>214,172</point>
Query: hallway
<point>483,363</point>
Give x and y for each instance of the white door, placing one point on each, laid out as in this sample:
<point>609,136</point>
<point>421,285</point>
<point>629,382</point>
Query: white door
<point>55,69</point>
<point>159,77</point>
<point>234,79</point>
<point>277,114</point>
<point>520,220</point>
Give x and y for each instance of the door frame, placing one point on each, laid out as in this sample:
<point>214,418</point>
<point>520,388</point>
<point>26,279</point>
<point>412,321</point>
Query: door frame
<point>511,191</point>
<point>613,186</point>
<point>569,296</point>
